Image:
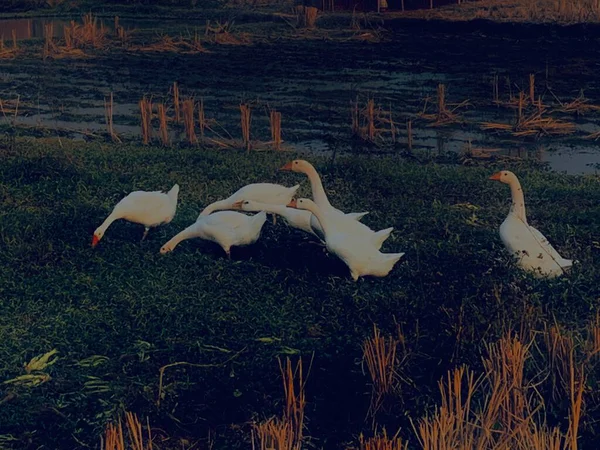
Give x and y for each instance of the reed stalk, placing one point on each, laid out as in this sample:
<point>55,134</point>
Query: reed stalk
<point>355,119</point>
<point>287,432</point>
<point>379,354</point>
<point>201,119</point>
<point>532,89</point>
<point>146,117</point>
<point>382,442</point>
<point>495,89</point>
<point>246,117</point>
<point>371,119</point>
<point>14,40</point>
<point>163,128</point>
<point>108,115</point>
<point>188,121</point>
<point>409,135</point>
<point>176,102</point>
<point>275,122</point>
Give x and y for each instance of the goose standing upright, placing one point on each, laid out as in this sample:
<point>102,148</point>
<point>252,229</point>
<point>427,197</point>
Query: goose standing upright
<point>274,194</point>
<point>530,246</point>
<point>150,209</point>
<point>350,223</point>
<point>226,228</point>
<point>361,257</point>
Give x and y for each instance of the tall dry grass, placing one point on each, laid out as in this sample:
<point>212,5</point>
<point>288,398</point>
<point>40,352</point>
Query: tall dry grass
<point>275,123</point>
<point>246,119</point>
<point>146,119</point>
<point>108,117</point>
<point>379,354</point>
<point>114,437</point>
<point>163,127</point>
<point>189,121</point>
<point>287,432</point>
<point>382,442</point>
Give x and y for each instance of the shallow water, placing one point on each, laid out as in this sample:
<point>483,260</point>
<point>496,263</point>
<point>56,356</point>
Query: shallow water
<point>314,85</point>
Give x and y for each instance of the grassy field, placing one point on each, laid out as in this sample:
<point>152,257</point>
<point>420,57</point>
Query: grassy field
<point>118,313</point>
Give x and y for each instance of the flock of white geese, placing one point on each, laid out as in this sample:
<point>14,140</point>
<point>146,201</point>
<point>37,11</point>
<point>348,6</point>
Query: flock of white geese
<point>343,234</point>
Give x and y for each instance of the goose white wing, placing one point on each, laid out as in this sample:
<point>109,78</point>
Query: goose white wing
<point>545,244</point>
<point>266,193</point>
<point>521,241</point>
<point>145,207</point>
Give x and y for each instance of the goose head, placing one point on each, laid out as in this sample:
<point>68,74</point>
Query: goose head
<point>301,203</point>
<point>297,165</point>
<point>98,234</point>
<point>504,176</point>
<point>165,249</point>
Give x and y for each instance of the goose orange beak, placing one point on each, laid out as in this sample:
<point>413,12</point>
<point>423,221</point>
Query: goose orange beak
<point>288,166</point>
<point>292,204</point>
<point>497,176</point>
<point>95,241</point>
<point>237,205</point>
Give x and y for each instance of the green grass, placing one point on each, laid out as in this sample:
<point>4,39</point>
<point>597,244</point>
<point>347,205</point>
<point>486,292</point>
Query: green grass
<point>142,310</point>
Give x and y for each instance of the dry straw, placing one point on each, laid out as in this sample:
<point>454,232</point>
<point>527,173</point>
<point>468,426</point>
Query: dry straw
<point>163,127</point>
<point>275,122</point>
<point>176,103</point>
<point>287,432</point>
<point>382,442</point>
<point>379,354</point>
<point>201,118</point>
<point>189,122</point>
<point>146,119</point>
<point>108,115</point>
<point>246,118</point>
<point>114,437</point>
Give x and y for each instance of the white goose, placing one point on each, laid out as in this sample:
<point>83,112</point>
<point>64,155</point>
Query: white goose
<point>150,209</point>
<point>319,195</point>
<point>274,194</point>
<point>532,249</point>
<point>361,257</point>
<point>337,218</point>
<point>226,228</point>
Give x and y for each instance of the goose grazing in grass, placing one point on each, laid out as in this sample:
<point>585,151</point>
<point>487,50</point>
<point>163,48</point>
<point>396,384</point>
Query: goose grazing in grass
<point>349,223</point>
<point>532,249</point>
<point>150,209</point>
<point>226,228</point>
<point>273,194</point>
<point>361,257</point>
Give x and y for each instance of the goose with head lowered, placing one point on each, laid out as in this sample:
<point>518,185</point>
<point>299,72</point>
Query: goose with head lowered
<point>350,223</point>
<point>361,257</point>
<point>270,193</point>
<point>531,248</point>
<point>150,209</point>
<point>226,228</point>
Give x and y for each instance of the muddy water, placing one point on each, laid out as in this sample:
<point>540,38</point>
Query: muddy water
<point>313,84</point>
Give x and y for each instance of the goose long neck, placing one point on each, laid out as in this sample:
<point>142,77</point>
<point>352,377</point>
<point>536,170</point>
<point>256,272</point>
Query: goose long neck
<point>216,206</point>
<point>316,185</point>
<point>108,222</point>
<point>517,206</point>
<point>266,207</point>
<point>190,232</point>
<point>318,213</point>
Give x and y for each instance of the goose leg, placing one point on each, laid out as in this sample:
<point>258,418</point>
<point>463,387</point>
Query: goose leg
<point>145,233</point>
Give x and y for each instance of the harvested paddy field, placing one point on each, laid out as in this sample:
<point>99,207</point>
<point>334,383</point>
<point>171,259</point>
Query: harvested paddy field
<point>277,347</point>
